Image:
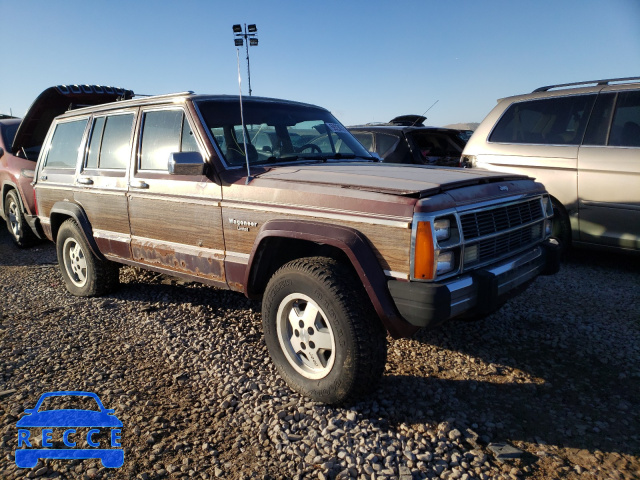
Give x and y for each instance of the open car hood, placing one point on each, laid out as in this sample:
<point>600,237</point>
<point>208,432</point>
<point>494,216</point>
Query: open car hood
<point>396,179</point>
<point>55,101</point>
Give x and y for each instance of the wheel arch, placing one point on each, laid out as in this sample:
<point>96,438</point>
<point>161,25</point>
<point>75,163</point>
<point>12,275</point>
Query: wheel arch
<point>62,211</point>
<point>292,239</point>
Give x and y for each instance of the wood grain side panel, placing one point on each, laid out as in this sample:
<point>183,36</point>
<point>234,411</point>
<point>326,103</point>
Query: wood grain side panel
<point>105,211</point>
<point>47,197</point>
<point>177,221</point>
<point>392,245</point>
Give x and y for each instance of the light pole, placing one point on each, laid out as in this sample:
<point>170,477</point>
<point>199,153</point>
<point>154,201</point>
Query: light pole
<point>248,37</point>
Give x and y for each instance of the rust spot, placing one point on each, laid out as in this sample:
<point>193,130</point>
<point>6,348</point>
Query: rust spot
<point>200,264</point>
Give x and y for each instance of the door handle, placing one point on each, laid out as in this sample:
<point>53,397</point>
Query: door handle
<point>139,184</point>
<point>85,181</point>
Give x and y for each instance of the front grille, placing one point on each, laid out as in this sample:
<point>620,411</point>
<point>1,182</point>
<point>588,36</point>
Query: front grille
<point>501,245</point>
<point>487,222</point>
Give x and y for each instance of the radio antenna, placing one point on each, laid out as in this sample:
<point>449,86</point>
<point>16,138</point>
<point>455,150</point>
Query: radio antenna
<point>425,112</point>
<point>244,137</point>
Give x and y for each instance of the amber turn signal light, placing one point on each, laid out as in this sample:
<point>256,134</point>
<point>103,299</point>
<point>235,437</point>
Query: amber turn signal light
<point>423,259</point>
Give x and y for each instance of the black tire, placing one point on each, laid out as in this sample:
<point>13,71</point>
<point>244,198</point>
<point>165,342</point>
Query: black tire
<point>561,230</point>
<point>342,320</point>
<point>84,274</point>
<point>20,231</point>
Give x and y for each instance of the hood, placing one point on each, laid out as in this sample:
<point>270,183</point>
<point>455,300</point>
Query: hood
<point>396,179</point>
<point>55,101</point>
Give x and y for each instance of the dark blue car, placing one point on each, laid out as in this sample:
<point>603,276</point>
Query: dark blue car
<point>69,419</point>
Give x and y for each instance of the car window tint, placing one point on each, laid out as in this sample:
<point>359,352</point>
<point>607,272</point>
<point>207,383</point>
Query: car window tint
<point>550,121</point>
<point>366,139</point>
<point>625,129</point>
<point>160,137</point>
<point>116,142</point>
<point>63,151</point>
<point>384,143</point>
<point>95,143</point>
<point>598,128</point>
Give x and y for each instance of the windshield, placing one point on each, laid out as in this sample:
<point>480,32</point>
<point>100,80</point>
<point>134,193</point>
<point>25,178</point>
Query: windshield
<point>278,132</point>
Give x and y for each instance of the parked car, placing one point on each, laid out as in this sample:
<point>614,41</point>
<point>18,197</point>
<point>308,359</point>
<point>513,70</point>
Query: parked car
<point>406,140</point>
<point>582,140</point>
<point>288,208</point>
<point>20,143</point>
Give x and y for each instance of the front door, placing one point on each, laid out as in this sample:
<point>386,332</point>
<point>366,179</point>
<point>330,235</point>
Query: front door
<point>175,220</point>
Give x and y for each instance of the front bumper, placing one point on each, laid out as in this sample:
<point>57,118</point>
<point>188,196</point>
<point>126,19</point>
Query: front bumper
<point>479,292</point>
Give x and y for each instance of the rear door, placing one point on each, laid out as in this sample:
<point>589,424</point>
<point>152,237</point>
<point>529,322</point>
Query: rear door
<point>609,172</point>
<point>175,220</point>
<point>101,184</point>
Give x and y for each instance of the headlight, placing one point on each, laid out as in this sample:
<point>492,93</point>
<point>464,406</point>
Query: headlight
<point>446,262</point>
<point>442,226</point>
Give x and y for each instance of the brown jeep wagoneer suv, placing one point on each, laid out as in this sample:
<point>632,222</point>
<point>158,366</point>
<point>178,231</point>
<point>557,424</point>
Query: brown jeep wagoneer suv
<point>289,209</point>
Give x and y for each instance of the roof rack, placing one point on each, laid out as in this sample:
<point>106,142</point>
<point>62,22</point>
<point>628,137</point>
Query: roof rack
<point>186,92</point>
<point>596,82</point>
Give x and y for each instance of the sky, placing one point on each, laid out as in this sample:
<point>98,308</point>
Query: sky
<point>365,61</point>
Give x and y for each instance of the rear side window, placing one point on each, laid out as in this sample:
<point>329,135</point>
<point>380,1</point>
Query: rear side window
<point>115,149</point>
<point>625,129</point>
<point>164,132</point>
<point>550,121</point>
<point>65,144</point>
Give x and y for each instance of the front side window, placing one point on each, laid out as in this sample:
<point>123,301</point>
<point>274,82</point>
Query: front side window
<point>65,144</point>
<point>164,132</point>
<point>277,132</point>
<point>549,121</point>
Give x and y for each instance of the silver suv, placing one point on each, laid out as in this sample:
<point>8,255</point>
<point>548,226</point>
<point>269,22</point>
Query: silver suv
<point>582,141</point>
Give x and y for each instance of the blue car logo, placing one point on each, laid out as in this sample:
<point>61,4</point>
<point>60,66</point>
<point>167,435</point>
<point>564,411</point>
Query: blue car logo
<point>69,419</point>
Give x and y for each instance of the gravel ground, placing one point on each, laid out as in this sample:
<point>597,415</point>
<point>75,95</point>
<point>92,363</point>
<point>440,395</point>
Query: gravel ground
<point>548,387</point>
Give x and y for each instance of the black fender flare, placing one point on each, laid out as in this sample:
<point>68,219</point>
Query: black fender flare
<point>75,211</point>
<point>359,252</point>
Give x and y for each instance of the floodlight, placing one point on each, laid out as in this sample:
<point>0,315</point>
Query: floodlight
<point>253,42</point>
<point>252,28</point>
<point>238,42</point>
<point>237,28</point>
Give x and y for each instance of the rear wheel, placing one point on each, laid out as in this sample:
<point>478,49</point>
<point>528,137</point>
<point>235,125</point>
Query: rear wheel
<point>20,231</point>
<point>321,330</point>
<point>84,274</point>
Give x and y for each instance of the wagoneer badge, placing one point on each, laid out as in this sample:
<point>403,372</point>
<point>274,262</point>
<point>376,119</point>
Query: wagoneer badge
<point>243,225</point>
<point>504,188</point>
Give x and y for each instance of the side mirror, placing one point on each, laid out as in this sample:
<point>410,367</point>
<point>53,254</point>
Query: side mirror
<point>186,163</point>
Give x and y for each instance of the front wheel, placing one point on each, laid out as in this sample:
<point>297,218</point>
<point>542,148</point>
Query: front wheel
<point>321,330</point>
<point>84,274</point>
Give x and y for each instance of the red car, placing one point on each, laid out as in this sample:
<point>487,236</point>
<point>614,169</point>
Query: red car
<point>20,142</point>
